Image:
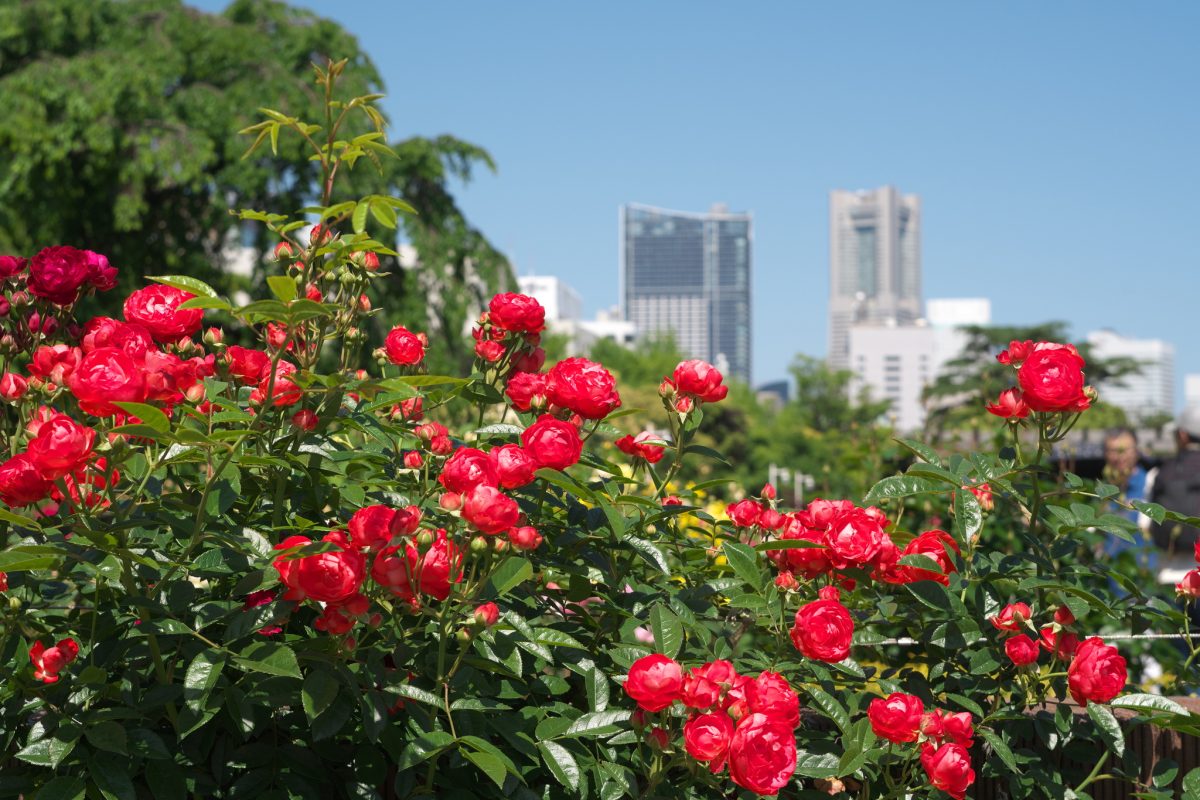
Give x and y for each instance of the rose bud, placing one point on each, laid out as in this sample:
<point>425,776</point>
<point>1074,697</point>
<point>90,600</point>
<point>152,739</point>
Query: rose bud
<point>413,460</point>
<point>13,386</point>
<point>305,419</point>
<point>281,251</point>
<point>657,738</point>
<point>450,501</point>
<point>370,261</point>
<point>1022,650</point>
<point>487,614</point>
<point>525,538</point>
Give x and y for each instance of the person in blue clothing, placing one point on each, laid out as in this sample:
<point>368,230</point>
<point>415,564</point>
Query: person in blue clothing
<point>1123,469</point>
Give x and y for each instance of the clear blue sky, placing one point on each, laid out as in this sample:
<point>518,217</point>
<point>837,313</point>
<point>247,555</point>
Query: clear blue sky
<point>1055,146</point>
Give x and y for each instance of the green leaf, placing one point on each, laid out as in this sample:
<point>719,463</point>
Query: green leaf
<point>744,563</point>
<point>831,707</point>
<point>1110,729</point>
<point>667,630</point>
<point>492,766</point>
<point>319,690</point>
<point>1000,748</point>
<point>817,765</point>
<point>108,736</point>
<point>420,695</point>
<point>649,552</point>
<point>216,303</point>
<point>1149,702</point>
<point>900,486</point>
<point>921,450</point>
<point>786,544</point>
<point>166,781</point>
<point>272,658</point>
<point>50,750</point>
<point>561,764</point>
<point>920,562</point>
<point>28,557</point>
<point>112,776</point>
<point>1191,785</point>
<point>358,220</point>
<point>201,677</point>
<point>423,747</point>
<point>968,515</point>
<point>597,723</point>
<point>332,720</point>
<point>512,572</point>
<point>283,287</point>
<point>67,787</point>
<point>186,283</point>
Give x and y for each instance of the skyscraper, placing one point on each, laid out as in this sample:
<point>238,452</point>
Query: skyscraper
<point>1146,393</point>
<point>689,274</point>
<point>874,263</point>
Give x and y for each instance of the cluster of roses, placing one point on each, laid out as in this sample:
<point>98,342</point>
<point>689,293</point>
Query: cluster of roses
<point>845,537</point>
<point>1049,377</point>
<point>944,738</point>
<point>37,288</point>
<point>1097,672</point>
<point>1190,585</point>
<point>410,564</point>
<point>746,723</point>
<point>509,333</point>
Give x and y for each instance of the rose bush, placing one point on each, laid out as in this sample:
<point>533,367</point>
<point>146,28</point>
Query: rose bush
<point>286,568</point>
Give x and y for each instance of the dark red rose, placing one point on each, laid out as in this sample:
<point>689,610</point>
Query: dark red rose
<point>402,567</point>
<point>55,362</point>
<point>57,274</point>
<point>329,577</point>
<point>248,366</point>
<point>12,265</point>
<point>823,628</point>
<point>375,526</point>
<point>21,483</point>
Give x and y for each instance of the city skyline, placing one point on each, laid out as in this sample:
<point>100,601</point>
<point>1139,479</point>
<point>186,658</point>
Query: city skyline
<point>689,274</point>
<point>1049,144</point>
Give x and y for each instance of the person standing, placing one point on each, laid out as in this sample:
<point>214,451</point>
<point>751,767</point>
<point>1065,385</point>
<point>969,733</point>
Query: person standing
<point>1177,488</point>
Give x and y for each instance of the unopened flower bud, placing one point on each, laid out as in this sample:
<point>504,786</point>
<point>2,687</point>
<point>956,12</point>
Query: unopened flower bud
<point>683,404</point>
<point>487,614</point>
<point>666,388</point>
<point>282,250</point>
<point>413,460</point>
<point>364,303</point>
<point>313,293</point>
<point>214,337</point>
<point>5,307</point>
<point>450,501</point>
<point>768,492</point>
<point>425,538</point>
<point>463,636</point>
<point>13,386</point>
<point>18,299</point>
<point>657,739</point>
<point>305,419</point>
<point>786,581</point>
<point>480,544</point>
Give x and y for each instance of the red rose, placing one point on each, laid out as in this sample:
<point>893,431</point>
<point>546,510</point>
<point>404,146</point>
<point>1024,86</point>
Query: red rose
<point>856,538</point>
<point>933,544</point>
<point>517,312</point>
<point>329,577</point>
<point>13,386</point>
<point>61,446</point>
<point>373,527</point>
<point>808,561</point>
<point>21,483</point>
<point>948,768</point>
<point>57,274</point>
<point>1012,617</point>
<point>49,661</point>
<point>401,567</point>
<point>1097,673</point>
<point>896,718</point>
<point>3,582</point>
<point>1052,378</point>
<point>771,694</point>
<point>490,510</point>
<point>11,265</point>
<point>55,362</point>
<point>1010,405</point>
<point>1062,644</point>
<point>584,387</point>
<point>156,308</point>
<point>654,682</point>
<point>762,754</point>
<point>706,738</point>
<point>700,380</point>
<point>703,686</point>
<point>466,469</point>
<point>1188,587</point>
<point>101,275</point>
<point>526,390</point>
<point>525,538</point>
<point>248,366</point>
<point>1021,650</point>
<point>744,513</point>
<point>403,347</point>
<point>278,391</point>
<point>823,629</point>
<point>487,614</point>
<point>104,376</point>
<point>646,445</point>
<point>489,351</point>
<point>514,468</point>
<point>552,443</point>
<point>1016,353</point>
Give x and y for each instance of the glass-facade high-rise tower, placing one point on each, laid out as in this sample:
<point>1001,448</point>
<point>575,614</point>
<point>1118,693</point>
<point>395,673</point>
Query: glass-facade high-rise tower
<point>689,274</point>
<point>874,263</point>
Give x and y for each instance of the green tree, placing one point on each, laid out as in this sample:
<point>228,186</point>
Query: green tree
<point>120,135</point>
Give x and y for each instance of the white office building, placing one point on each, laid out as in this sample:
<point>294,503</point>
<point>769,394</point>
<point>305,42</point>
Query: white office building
<point>564,315</point>
<point>1146,393</point>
